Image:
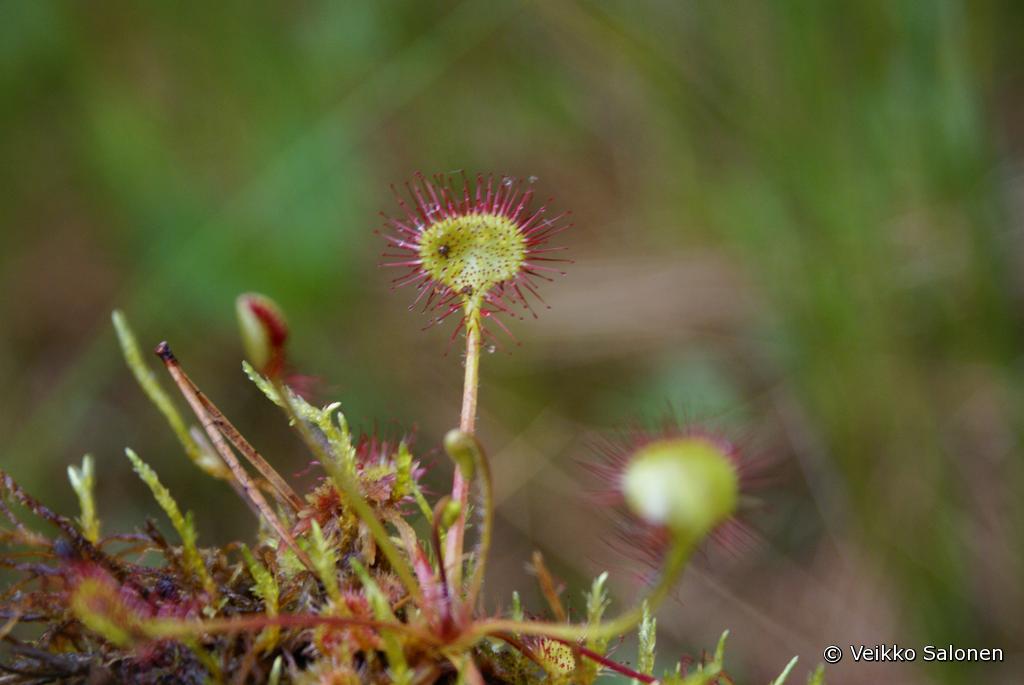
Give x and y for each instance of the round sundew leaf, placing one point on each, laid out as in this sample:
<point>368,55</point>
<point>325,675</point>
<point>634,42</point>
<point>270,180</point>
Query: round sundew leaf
<point>473,245</point>
<point>474,252</point>
<point>688,485</point>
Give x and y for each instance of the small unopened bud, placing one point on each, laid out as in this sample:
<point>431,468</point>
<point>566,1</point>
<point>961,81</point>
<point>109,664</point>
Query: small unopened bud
<point>463,450</point>
<point>264,332</point>
<point>689,485</point>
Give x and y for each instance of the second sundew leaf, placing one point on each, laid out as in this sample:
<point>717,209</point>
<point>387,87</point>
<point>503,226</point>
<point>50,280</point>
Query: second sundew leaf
<point>99,604</point>
<point>182,524</point>
<point>99,607</point>
<point>266,589</point>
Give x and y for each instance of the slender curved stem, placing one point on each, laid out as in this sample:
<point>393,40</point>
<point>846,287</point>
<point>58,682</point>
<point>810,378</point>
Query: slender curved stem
<point>467,424</point>
<point>465,449</point>
<point>435,541</point>
<point>483,548</point>
<point>675,562</point>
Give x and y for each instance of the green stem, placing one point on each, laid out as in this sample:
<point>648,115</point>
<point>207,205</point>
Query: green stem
<point>467,424</point>
<point>471,384</point>
<point>675,562</point>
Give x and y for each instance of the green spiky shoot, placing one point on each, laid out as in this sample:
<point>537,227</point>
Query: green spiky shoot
<point>267,589</point>
<point>348,489</point>
<point>205,459</point>
<point>329,420</point>
<point>182,524</point>
<point>597,603</point>
<point>399,669</point>
<point>325,560</point>
<point>83,481</point>
<point>647,639</point>
<point>781,679</point>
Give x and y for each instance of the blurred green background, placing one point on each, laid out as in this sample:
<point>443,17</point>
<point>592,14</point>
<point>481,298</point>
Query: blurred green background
<point>797,221</point>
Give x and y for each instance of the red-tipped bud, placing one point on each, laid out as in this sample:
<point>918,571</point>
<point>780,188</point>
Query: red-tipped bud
<point>264,332</point>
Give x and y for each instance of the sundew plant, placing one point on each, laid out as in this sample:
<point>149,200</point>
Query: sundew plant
<point>365,578</point>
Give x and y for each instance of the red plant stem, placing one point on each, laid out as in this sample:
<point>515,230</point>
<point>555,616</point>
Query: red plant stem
<point>609,664</point>
<point>467,418</point>
<point>467,424</point>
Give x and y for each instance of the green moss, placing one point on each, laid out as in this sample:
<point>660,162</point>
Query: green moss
<point>183,524</point>
<point>83,481</point>
<point>267,589</point>
<point>203,458</point>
